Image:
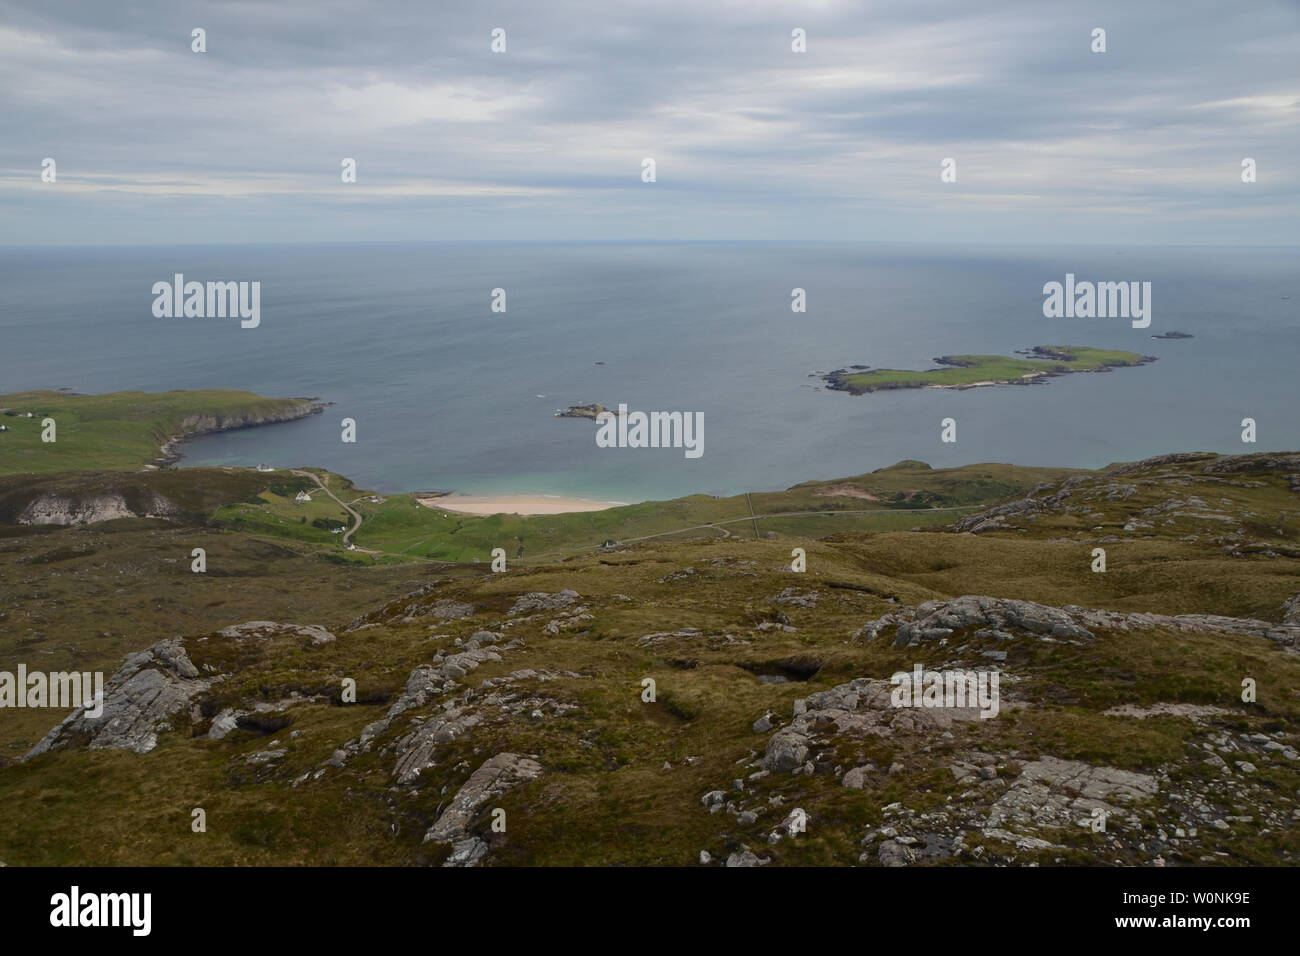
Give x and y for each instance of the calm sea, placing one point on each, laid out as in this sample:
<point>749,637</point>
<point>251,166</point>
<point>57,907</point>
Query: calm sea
<point>449,395</point>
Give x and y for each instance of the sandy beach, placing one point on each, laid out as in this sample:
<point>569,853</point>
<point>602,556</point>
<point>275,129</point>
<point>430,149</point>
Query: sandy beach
<point>515,504</point>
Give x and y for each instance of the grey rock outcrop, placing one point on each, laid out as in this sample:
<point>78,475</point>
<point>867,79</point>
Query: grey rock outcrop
<point>417,750</point>
<point>1001,617</point>
<point>1263,462</point>
<point>314,633</point>
<point>796,598</point>
<point>861,707</point>
<point>444,610</point>
<point>140,701</point>
<point>1291,610</point>
<point>936,620</point>
<point>745,857</point>
<point>1063,793</point>
<point>536,601</point>
<point>497,775</point>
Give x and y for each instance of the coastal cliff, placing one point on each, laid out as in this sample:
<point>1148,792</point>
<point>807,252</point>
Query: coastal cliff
<point>210,423</point>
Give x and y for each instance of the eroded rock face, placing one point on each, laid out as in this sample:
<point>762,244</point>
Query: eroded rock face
<point>497,775</point>
<point>1002,618</point>
<point>140,700</point>
<point>88,509</point>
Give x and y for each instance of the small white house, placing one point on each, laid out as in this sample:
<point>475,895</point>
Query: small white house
<point>302,496</point>
<point>265,468</point>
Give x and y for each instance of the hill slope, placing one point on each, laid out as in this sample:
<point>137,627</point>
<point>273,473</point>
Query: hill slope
<point>771,734</point>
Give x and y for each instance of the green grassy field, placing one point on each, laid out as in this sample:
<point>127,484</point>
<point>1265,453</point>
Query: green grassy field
<point>965,370</point>
<point>906,495</point>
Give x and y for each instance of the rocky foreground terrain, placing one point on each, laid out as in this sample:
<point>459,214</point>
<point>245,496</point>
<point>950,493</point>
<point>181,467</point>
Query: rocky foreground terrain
<point>701,703</point>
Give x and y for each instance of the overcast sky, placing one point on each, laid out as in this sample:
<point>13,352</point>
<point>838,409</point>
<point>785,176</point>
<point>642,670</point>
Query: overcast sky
<point>1053,143</point>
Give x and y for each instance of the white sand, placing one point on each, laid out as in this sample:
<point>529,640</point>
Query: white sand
<point>515,504</point>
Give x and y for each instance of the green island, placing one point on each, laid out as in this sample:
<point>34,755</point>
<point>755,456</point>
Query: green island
<point>973,371</point>
<point>521,690</point>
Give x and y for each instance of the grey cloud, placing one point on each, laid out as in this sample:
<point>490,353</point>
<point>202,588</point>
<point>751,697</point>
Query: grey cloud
<point>744,131</point>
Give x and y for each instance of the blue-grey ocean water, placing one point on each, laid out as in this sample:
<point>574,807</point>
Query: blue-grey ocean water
<point>449,395</point>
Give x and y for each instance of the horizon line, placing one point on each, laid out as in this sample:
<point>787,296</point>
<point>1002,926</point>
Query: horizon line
<point>33,246</point>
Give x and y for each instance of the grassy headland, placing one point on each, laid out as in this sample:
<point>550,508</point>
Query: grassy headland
<point>123,431</point>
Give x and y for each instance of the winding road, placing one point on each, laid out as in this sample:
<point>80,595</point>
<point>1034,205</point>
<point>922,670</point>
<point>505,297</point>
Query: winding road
<point>356,515</point>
